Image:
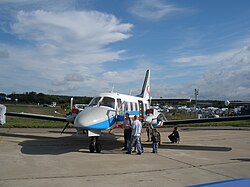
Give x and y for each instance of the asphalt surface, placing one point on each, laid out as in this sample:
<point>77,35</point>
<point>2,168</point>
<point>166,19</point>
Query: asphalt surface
<point>43,157</point>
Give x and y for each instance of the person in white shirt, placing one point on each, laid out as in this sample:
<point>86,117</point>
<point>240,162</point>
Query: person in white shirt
<point>135,136</point>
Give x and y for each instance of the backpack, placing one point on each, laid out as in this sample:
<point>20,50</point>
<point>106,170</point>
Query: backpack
<point>156,137</point>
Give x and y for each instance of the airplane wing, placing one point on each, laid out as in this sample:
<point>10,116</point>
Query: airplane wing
<point>170,100</point>
<point>165,123</point>
<point>36,116</point>
<point>206,120</point>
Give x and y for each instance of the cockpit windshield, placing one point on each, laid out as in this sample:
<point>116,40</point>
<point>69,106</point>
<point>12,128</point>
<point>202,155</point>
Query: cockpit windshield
<point>105,101</point>
<point>94,101</point>
<point>108,101</point>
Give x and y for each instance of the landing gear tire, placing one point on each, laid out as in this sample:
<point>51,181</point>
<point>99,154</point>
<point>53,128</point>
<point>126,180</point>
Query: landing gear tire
<point>98,147</point>
<point>95,145</point>
<point>92,147</point>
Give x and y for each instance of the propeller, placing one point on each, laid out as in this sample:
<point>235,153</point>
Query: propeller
<point>71,107</point>
<point>71,103</point>
<point>67,124</point>
<point>59,113</point>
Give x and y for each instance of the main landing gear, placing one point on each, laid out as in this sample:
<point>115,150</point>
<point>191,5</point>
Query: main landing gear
<point>95,145</point>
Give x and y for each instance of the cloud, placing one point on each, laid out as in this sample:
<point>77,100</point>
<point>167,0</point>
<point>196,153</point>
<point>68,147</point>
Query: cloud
<point>91,29</point>
<point>63,47</point>
<point>190,59</point>
<point>48,5</point>
<point>205,60</point>
<point>58,82</point>
<point>4,54</point>
<point>74,78</point>
<point>67,89</point>
<point>153,10</point>
<point>120,77</point>
<point>229,78</point>
<point>223,75</point>
<point>13,1</point>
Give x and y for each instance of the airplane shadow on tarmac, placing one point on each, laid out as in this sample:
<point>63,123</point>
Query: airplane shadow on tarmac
<point>42,145</point>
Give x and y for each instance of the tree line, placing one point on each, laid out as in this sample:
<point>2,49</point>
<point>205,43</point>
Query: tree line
<point>41,98</point>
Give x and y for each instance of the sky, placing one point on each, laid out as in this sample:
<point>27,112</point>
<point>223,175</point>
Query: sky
<point>84,47</point>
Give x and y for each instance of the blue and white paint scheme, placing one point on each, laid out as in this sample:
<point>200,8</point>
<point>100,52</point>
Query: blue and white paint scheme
<point>154,118</point>
<point>107,110</point>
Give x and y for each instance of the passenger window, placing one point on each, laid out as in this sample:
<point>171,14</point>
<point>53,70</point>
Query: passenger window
<point>131,106</point>
<point>140,105</point>
<point>126,106</point>
<point>136,107</point>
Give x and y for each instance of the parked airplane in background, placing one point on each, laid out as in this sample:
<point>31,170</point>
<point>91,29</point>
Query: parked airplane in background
<point>107,110</point>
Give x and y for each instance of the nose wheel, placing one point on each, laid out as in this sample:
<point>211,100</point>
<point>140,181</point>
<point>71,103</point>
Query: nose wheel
<point>95,145</point>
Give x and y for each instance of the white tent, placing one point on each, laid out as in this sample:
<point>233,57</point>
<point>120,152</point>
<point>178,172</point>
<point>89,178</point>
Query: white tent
<point>2,114</point>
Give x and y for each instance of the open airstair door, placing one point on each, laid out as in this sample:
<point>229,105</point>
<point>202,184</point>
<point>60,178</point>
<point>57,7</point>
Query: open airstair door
<point>141,109</point>
<point>119,112</point>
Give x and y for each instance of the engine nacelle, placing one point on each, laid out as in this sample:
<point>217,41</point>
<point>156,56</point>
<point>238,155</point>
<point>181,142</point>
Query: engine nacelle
<point>70,117</point>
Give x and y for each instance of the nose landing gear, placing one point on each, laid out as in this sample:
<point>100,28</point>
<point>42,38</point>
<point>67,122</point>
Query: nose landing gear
<point>95,145</point>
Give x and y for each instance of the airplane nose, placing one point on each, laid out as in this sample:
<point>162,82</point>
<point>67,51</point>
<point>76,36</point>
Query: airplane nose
<point>95,118</point>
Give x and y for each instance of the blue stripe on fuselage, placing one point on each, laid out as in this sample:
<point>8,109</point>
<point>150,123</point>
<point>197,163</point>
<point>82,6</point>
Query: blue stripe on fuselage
<point>103,125</point>
<point>133,113</point>
<point>120,117</point>
<point>108,123</point>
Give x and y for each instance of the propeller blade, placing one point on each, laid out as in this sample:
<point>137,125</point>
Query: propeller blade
<point>67,124</point>
<point>59,113</point>
<point>71,103</point>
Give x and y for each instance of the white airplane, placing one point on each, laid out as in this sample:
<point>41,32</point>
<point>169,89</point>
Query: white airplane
<point>106,111</point>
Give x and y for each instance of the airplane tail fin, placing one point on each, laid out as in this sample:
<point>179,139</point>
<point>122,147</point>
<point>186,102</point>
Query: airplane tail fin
<point>145,92</point>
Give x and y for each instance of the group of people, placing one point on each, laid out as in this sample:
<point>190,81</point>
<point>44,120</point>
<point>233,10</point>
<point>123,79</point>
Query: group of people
<point>132,136</point>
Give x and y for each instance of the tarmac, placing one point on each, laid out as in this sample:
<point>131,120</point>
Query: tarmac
<point>43,157</point>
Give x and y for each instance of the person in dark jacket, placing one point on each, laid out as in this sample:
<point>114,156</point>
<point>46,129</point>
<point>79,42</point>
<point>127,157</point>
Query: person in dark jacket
<point>174,137</point>
<point>127,126</point>
<point>155,138</point>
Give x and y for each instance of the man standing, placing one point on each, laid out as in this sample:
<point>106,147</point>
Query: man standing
<point>135,138</point>
<point>127,131</point>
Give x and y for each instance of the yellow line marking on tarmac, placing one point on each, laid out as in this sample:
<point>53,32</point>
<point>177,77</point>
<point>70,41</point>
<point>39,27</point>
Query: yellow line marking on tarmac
<point>14,140</point>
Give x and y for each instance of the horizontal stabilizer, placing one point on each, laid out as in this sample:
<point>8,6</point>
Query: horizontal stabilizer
<point>206,120</point>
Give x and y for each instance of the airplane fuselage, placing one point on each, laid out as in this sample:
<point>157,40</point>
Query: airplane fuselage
<point>108,109</point>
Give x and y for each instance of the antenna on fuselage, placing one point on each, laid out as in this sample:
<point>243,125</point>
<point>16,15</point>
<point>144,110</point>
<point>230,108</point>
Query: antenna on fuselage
<point>113,87</point>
